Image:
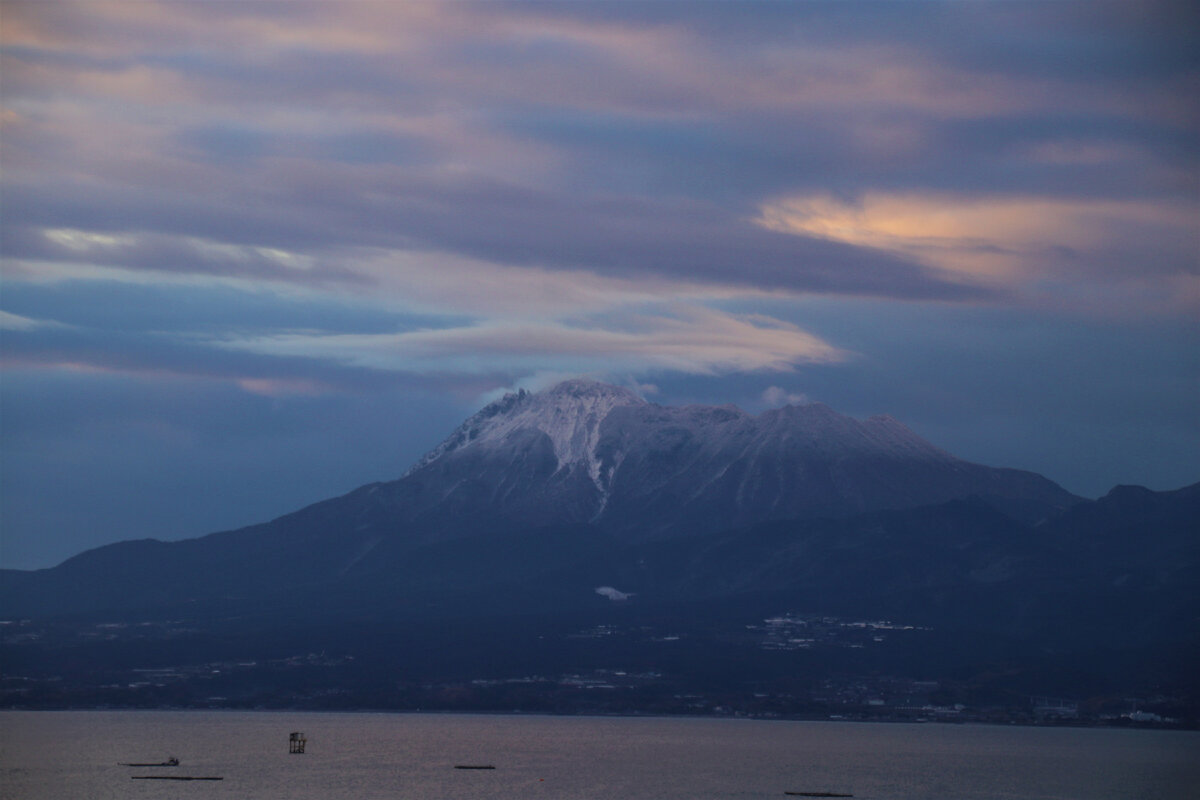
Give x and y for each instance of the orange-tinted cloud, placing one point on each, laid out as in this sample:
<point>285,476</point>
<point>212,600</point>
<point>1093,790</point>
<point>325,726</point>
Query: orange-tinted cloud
<point>1015,242</point>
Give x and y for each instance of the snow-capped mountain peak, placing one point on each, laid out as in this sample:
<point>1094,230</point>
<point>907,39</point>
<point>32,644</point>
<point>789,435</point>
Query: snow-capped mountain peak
<point>569,413</point>
<point>588,452</point>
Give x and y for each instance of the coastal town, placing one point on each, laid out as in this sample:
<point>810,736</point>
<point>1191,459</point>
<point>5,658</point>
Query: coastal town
<point>344,681</point>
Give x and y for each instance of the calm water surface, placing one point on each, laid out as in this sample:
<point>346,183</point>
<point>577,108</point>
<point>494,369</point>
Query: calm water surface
<point>75,754</point>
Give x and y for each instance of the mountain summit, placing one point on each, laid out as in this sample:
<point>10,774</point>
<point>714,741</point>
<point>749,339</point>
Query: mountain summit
<point>588,452</point>
<point>569,413</point>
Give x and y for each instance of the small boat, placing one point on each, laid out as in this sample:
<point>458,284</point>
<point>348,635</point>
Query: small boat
<point>170,762</point>
<point>474,766</point>
<point>175,778</point>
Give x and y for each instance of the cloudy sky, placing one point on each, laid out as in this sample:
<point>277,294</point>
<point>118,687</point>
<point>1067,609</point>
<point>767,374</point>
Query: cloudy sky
<point>256,254</point>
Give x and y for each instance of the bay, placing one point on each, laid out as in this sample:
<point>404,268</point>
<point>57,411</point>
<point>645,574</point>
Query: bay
<point>366,756</point>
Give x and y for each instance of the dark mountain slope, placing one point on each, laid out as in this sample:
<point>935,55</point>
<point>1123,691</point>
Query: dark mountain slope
<point>579,454</point>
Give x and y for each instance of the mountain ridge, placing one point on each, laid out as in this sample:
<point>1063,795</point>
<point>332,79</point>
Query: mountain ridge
<point>559,456</point>
<point>547,521</point>
<point>581,453</point>
<point>598,453</point>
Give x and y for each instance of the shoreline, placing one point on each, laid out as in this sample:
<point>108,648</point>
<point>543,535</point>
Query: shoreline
<point>1084,725</point>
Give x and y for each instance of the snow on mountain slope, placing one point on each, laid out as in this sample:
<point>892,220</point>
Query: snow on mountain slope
<point>588,452</point>
<point>569,413</point>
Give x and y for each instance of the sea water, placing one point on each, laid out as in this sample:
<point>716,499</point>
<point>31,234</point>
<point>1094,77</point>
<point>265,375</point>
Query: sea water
<point>364,756</point>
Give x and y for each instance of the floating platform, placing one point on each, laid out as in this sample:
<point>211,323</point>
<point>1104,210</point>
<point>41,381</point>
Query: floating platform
<point>170,762</point>
<point>174,778</point>
<point>817,794</point>
<point>474,766</point>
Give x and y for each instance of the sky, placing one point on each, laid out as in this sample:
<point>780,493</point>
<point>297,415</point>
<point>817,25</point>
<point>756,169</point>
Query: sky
<point>256,254</point>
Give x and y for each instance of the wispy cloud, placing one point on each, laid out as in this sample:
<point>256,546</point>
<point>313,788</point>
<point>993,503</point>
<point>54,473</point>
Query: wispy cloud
<point>689,339</point>
<point>16,322</point>
<point>775,396</point>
